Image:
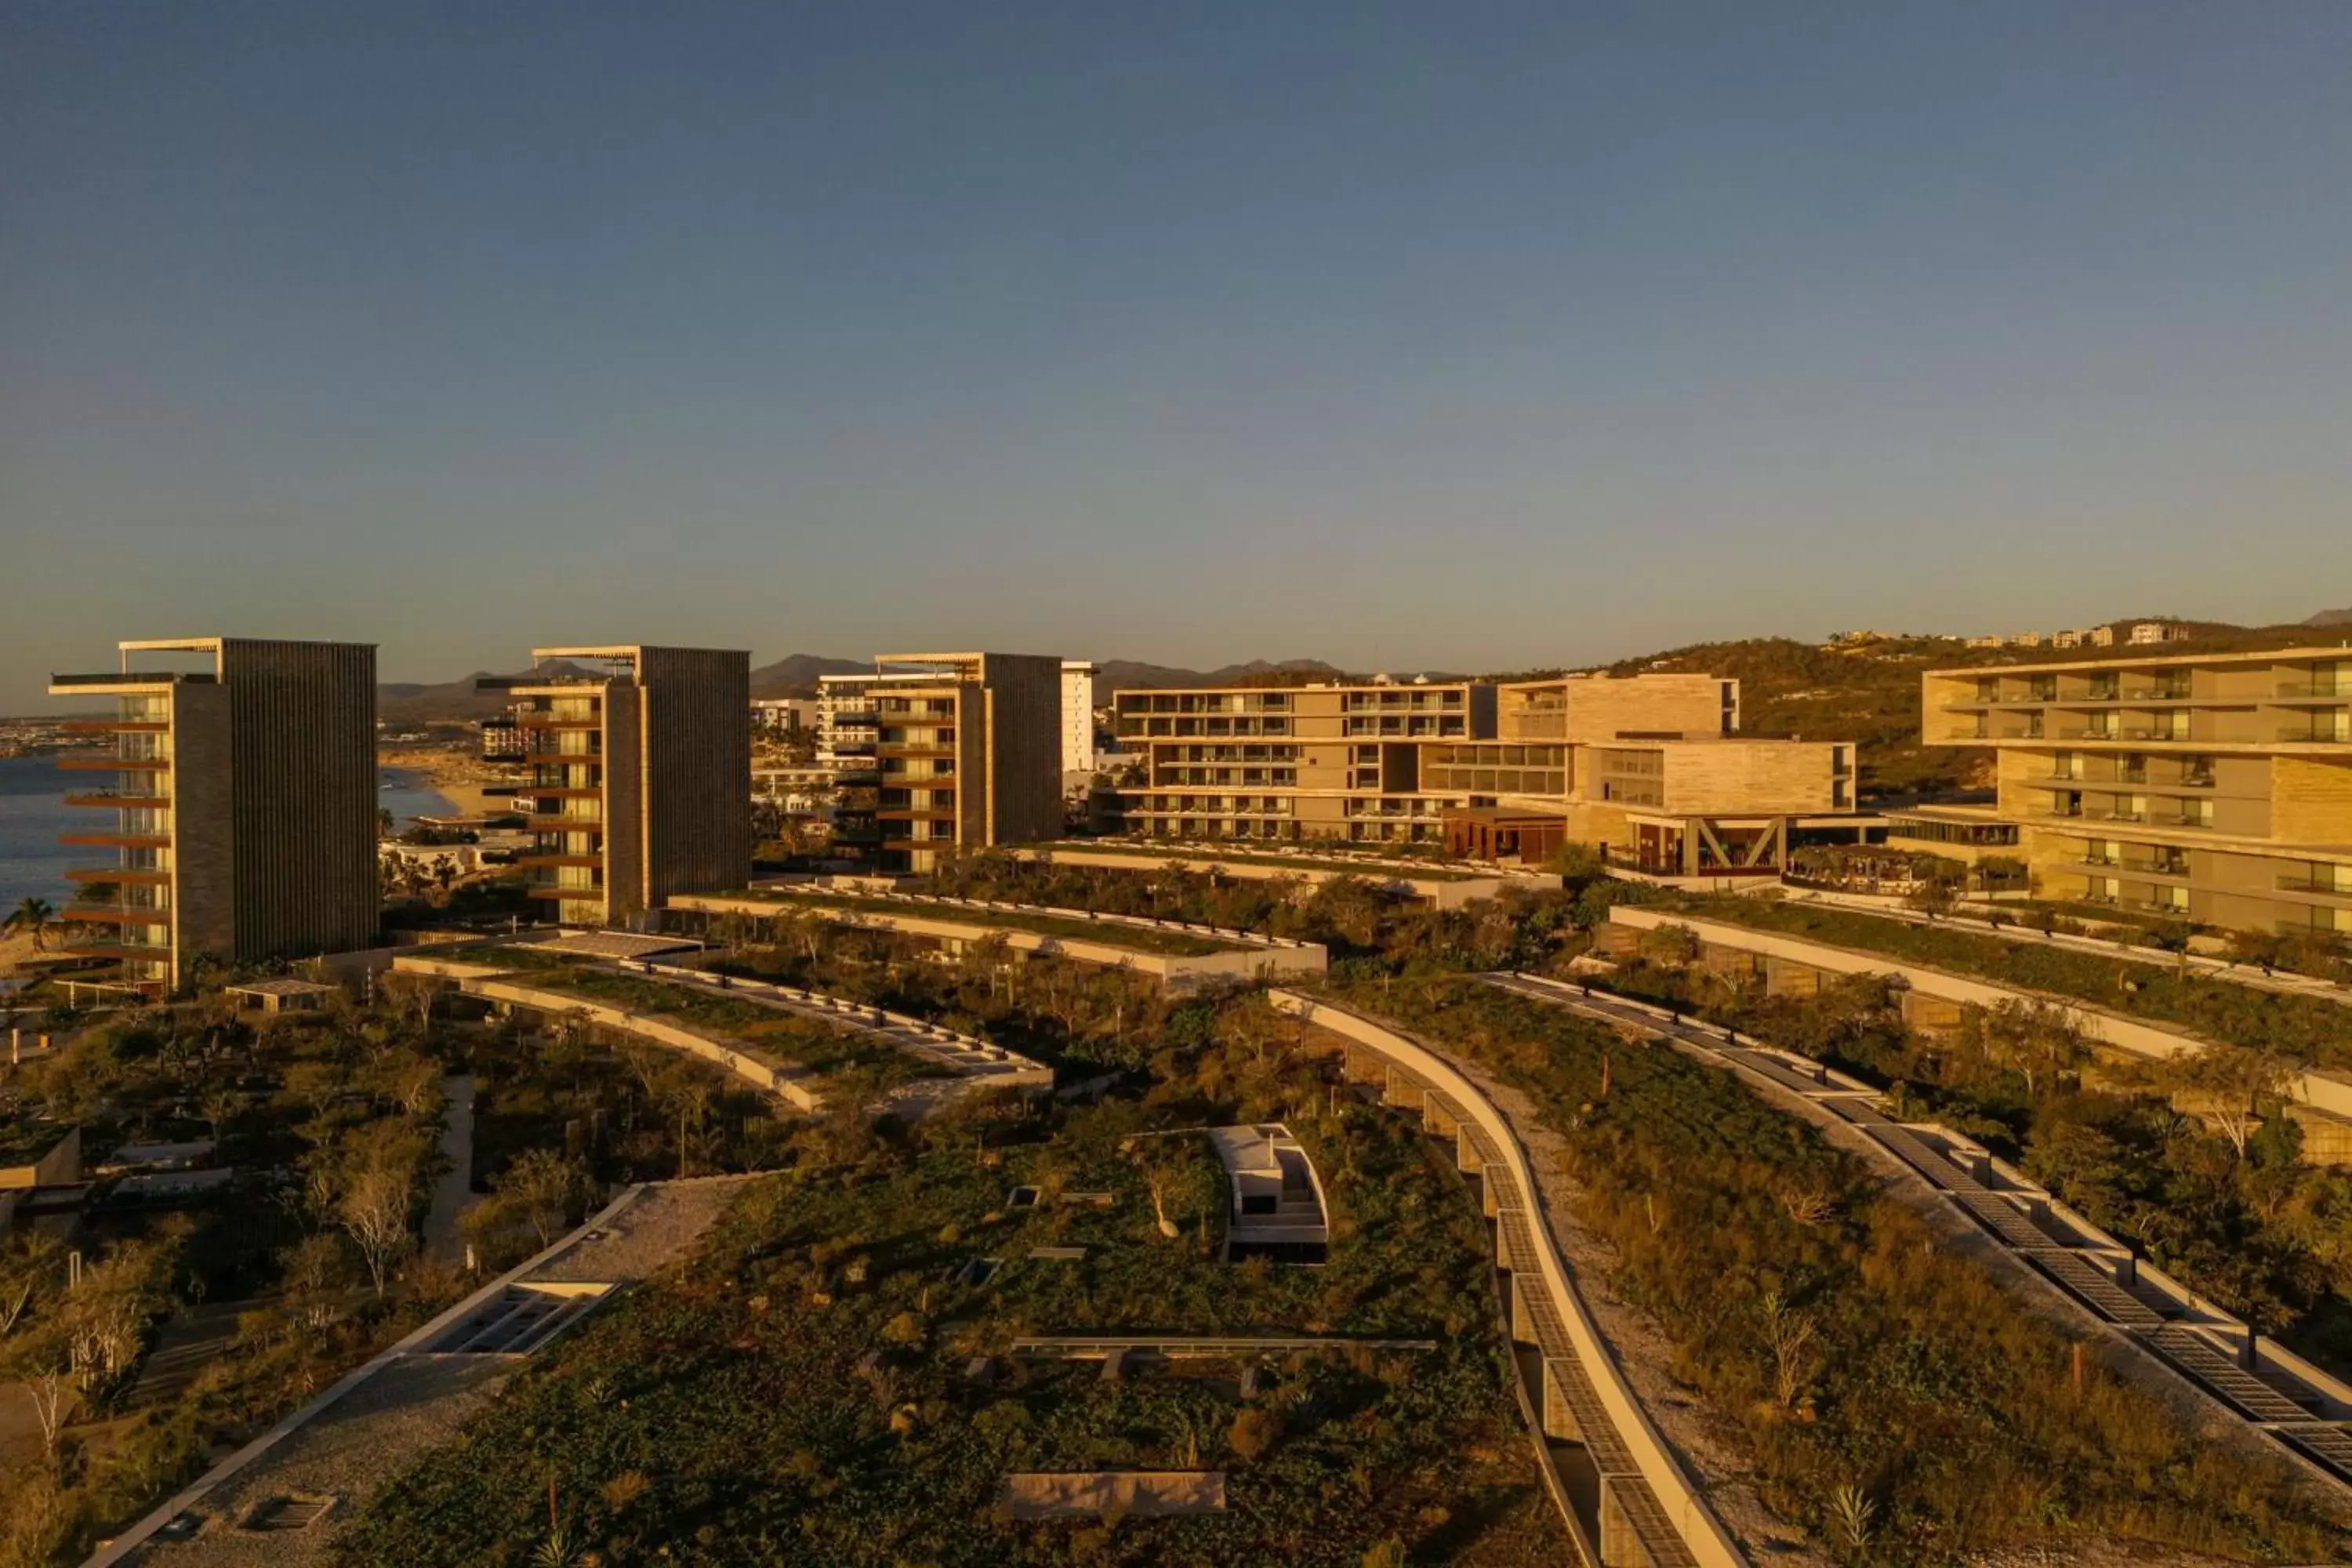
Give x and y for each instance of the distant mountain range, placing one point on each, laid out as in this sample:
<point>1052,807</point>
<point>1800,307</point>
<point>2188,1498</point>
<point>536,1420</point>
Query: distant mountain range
<point>796,674</point>
<point>405,702</point>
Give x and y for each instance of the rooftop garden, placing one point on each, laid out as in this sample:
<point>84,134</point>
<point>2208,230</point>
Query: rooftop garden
<point>2312,1029</point>
<point>1111,933</point>
<point>806,1389</point>
<point>1306,858</point>
<point>766,1033</point>
<point>24,1138</point>
<point>2220,1200</point>
<point>1869,1373</point>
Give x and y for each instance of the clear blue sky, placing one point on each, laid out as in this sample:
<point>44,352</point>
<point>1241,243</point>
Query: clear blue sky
<point>1466,335</point>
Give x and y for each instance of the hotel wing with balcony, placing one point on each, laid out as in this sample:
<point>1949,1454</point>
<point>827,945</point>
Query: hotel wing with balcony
<point>1645,767</point>
<point>234,796</point>
<point>640,776</point>
<point>2217,787</point>
<point>1315,761</point>
<point>967,754</point>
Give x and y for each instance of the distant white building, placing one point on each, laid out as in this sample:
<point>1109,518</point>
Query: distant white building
<point>1078,715</point>
<point>2144,632</point>
<point>2103,637</point>
<point>784,715</point>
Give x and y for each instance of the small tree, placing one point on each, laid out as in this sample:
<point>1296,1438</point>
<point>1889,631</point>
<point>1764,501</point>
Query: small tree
<point>2232,1085</point>
<point>374,1213</point>
<point>546,1190</point>
<point>32,916</point>
<point>411,997</point>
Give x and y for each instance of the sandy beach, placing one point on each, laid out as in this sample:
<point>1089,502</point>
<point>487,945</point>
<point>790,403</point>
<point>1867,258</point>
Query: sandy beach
<point>457,774</point>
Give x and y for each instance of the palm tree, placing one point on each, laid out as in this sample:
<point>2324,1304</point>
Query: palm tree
<point>34,915</point>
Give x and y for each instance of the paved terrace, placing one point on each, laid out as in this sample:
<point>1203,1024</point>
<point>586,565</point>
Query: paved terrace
<point>1626,1500</point>
<point>281,1499</point>
<point>2269,1389</point>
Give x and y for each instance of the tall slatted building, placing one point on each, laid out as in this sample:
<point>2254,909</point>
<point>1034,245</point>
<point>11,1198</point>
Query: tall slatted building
<point>641,775</point>
<point>242,799</point>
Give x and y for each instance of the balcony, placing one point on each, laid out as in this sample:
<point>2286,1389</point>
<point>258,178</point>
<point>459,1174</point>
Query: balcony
<point>2316,737</point>
<point>555,857</point>
<point>569,894</point>
<point>140,876</point>
<point>117,840</point>
<point>136,953</point>
<point>115,726</point>
<point>127,799</point>
<point>109,762</point>
<point>113,915</point>
<point>2307,882</point>
<point>2318,690</point>
<point>137,677</point>
<point>563,825</point>
<point>561,759</point>
<point>550,721</point>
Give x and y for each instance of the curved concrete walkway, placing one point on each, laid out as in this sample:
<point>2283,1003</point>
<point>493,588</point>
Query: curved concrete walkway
<point>2257,1383</point>
<point>1614,1476</point>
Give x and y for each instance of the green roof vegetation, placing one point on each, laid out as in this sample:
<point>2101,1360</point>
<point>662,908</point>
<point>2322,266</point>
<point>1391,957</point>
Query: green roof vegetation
<point>2312,1029</point>
<point>25,1139</point>
<point>1334,860</point>
<point>1111,933</point>
<point>765,1033</point>
<point>799,1392</point>
<point>1846,1343</point>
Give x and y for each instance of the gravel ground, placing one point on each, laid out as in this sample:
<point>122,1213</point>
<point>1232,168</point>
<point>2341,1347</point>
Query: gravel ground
<point>667,1219</point>
<point>349,1451</point>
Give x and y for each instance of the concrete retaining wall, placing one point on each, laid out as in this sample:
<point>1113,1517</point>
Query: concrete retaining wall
<point>1694,1523</point>
<point>1262,959</point>
<point>2140,1039</point>
<point>1445,893</point>
<point>780,1081</point>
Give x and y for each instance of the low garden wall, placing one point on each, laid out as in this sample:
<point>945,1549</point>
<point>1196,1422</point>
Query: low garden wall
<point>1256,957</point>
<point>2154,1041</point>
<point>1443,893</point>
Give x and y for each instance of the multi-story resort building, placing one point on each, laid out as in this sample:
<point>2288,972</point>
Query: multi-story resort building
<point>960,751</point>
<point>1651,770</point>
<point>239,777</point>
<point>641,776</point>
<point>1333,761</point>
<point>1647,767</point>
<point>1078,716</point>
<point>2217,787</point>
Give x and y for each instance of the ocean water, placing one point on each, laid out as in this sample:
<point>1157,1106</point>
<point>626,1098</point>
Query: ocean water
<point>33,813</point>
